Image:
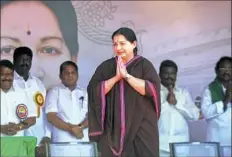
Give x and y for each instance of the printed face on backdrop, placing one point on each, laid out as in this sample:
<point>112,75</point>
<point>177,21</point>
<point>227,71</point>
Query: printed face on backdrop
<point>45,38</point>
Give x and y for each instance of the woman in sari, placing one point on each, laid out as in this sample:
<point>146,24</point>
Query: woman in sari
<point>124,102</point>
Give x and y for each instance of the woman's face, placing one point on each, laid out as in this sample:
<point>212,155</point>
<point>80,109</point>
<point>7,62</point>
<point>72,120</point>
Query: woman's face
<point>45,39</point>
<point>122,47</point>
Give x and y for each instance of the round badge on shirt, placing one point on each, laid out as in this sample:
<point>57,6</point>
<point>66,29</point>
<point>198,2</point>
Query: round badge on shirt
<point>39,99</point>
<point>21,111</point>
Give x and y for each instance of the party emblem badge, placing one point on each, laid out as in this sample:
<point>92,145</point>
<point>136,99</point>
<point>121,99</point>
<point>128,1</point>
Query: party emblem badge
<point>39,100</point>
<point>21,111</point>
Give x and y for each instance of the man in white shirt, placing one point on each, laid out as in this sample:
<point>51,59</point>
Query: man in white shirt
<point>216,103</point>
<point>16,111</point>
<point>66,107</point>
<point>176,106</point>
<point>35,91</point>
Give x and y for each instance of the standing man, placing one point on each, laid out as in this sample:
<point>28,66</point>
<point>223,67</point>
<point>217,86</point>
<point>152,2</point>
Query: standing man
<point>216,103</point>
<point>176,106</point>
<point>34,88</point>
<point>66,107</point>
<point>17,114</point>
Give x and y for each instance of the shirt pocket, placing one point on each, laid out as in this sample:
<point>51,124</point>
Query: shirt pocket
<point>64,104</point>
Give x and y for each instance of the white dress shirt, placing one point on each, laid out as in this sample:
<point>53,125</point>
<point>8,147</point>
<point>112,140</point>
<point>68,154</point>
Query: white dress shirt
<point>172,124</point>
<point>31,86</point>
<point>70,108</point>
<point>219,122</point>
<point>9,103</point>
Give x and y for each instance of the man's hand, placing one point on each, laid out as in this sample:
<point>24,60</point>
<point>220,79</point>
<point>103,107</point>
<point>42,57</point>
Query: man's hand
<point>41,149</point>
<point>171,99</point>
<point>76,131</point>
<point>200,116</point>
<point>45,140</point>
<point>171,96</point>
<point>228,95</point>
<point>6,130</point>
<point>13,128</point>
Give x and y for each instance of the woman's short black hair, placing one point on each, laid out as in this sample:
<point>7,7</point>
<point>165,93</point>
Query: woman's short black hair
<point>129,34</point>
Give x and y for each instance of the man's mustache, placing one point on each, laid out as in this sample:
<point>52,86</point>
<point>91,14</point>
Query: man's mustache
<point>169,78</point>
<point>6,80</point>
<point>24,65</point>
<point>226,74</point>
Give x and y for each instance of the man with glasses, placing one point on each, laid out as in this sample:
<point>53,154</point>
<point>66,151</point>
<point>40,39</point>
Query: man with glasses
<point>216,103</point>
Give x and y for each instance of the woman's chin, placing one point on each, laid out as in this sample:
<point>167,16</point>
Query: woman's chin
<point>122,55</point>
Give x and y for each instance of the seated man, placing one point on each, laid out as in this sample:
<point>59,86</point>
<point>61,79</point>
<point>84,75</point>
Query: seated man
<point>216,103</point>
<point>16,112</point>
<point>176,106</point>
<point>66,107</point>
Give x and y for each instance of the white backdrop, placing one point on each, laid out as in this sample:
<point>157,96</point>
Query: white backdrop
<point>194,34</point>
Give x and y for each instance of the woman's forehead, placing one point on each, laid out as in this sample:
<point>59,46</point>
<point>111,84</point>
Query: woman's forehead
<point>30,15</point>
<point>119,38</point>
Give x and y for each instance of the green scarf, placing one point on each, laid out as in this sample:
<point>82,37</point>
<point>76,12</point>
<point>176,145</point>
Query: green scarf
<point>216,91</point>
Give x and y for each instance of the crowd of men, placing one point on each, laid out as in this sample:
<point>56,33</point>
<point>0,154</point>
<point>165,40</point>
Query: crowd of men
<point>60,114</point>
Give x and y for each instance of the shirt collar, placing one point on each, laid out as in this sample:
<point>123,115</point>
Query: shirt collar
<point>176,88</point>
<point>223,88</point>
<point>12,89</point>
<point>17,76</point>
<point>64,87</point>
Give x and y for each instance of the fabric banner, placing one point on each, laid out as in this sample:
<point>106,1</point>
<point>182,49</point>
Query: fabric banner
<point>18,146</point>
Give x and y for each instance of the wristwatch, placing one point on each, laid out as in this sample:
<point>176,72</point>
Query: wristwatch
<point>127,76</point>
<point>81,126</point>
<point>20,126</point>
